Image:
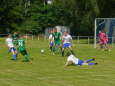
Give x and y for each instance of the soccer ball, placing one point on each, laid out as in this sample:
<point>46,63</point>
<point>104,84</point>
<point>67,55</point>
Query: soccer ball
<point>42,50</point>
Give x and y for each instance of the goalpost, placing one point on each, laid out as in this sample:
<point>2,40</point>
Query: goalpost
<point>106,24</point>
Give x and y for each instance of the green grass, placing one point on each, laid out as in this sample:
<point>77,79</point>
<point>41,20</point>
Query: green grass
<point>49,70</point>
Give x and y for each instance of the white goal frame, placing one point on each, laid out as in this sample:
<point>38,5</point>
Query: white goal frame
<point>95,29</point>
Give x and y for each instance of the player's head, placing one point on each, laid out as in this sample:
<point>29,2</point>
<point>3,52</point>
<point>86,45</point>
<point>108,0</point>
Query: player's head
<point>15,32</point>
<point>9,35</point>
<point>103,31</point>
<point>21,37</point>
<point>69,53</point>
<point>55,29</point>
<point>69,63</point>
<point>65,33</point>
<point>51,31</point>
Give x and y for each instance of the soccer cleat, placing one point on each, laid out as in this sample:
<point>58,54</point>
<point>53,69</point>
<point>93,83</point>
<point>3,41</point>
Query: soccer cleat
<point>93,59</point>
<point>96,63</point>
<point>13,59</point>
<point>26,61</point>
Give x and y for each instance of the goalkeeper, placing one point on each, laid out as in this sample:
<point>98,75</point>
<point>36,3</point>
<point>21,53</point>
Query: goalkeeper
<point>22,49</point>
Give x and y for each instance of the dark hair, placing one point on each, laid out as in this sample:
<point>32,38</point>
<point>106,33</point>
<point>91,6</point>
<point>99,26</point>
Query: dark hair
<point>69,53</point>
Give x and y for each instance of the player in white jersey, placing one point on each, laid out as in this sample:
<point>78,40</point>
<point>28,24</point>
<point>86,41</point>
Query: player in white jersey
<point>67,42</point>
<point>10,45</point>
<point>72,60</point>
<point>51,40</point>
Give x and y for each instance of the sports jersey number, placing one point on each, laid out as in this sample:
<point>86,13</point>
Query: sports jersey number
<point>21,43</point>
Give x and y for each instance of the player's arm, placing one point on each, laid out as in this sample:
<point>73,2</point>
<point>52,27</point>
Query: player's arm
<point>68,63</point>
<point>6,43</point>
<point>50,38</point>
<point>62,39</point>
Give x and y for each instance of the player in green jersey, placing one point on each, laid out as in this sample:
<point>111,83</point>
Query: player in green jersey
<point>22,49</point>
<point>57,39</point>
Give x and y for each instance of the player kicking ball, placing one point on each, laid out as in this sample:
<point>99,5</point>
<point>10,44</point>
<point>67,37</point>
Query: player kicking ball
<point>9,42</point>
<point>67,43</point>
<point>22,49</point>
<point>72,60</point>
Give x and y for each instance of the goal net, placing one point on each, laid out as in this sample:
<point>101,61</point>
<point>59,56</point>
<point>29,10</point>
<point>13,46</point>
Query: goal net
<point>107,25</point>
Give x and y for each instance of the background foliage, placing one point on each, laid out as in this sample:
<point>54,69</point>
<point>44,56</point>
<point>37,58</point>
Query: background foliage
<point>36,15</point>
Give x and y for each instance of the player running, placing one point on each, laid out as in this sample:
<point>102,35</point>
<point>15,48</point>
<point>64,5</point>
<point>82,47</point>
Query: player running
<point>51,40</point>
<point>9,42</point>
<point>72,60</point>
<point>57,39</point>
<point>67,42</point>
<point>22,49</point>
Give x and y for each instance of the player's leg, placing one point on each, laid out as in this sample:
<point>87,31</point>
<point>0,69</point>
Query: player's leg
<point>58,46</point>
<point>71,49</point>
<point>106,46</point>
<point>89,63</point>
<point>80,62</point>
<point>51,46</point>
<point>26,56</point>
<point>63,51</point>
<point>64,46</point>
<point>14,54</point>
<point>92,63</point>
<point>89,60</point>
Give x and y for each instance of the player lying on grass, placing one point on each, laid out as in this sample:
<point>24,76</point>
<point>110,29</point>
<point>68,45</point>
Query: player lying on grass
<point>67,43</point>
<point>9,42</point>
<point>72,60</point>
<point>22,49</point>
<point>103,40</point>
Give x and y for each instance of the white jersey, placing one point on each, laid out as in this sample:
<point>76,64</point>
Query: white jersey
<point>73,59</point>
<point>67,39</point>
<point>9,42</point>
<point>51,38</point>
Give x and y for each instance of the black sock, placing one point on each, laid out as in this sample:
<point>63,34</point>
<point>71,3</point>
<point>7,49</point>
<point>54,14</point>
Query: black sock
<point>72,52</point>
<point>62,52</point>
<point>51,48</point>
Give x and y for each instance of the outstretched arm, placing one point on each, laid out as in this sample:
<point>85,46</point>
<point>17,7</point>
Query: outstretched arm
<point>68,63</point>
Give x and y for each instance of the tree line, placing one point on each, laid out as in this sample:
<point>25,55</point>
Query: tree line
<point>36,15</point>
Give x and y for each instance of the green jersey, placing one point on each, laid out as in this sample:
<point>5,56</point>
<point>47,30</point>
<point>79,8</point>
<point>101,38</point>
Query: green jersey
<point>57,37</point>
<point>21,45</point>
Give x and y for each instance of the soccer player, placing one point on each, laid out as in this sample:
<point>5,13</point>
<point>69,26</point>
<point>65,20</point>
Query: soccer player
<point>57,39</point>
<point>67,42</point>
<point>22,49</point>
<point>9,42</point>
<point>72,60</point>
<point>51,40</point>
<point>103,40</point>
<point>15,37</point>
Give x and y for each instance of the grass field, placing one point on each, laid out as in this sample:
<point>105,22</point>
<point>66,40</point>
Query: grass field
<point>49,70</point>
